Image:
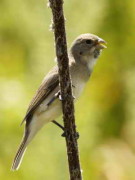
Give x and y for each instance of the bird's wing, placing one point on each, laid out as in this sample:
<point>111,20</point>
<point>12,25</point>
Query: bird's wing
<point>50,82</point>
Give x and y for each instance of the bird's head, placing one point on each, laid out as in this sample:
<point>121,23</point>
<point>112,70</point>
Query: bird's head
<point>87,48</point>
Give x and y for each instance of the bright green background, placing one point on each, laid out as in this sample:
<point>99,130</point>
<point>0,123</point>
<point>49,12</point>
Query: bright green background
<point>105,113</point>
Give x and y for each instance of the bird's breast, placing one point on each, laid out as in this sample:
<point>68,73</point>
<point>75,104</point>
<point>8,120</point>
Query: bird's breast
<point>79,76</point>
<point>78,87</point>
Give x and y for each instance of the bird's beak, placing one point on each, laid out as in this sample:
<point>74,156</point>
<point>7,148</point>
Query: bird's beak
<point>101,43</point>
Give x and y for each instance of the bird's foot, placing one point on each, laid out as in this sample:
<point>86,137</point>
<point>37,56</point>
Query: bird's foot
<point>57,95</point>
<point>65,134</point>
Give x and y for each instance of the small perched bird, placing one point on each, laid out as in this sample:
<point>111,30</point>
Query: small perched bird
<point>46,106</point>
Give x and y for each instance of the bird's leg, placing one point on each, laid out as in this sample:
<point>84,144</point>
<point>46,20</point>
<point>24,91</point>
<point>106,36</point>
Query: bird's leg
<point>57,95</point>
<point>59,125</point>
<point>65,133</point>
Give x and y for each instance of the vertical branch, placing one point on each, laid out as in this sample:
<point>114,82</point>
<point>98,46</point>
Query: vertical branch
<point>66,89</point>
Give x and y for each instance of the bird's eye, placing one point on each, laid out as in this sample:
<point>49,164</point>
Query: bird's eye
<point>89,41</point>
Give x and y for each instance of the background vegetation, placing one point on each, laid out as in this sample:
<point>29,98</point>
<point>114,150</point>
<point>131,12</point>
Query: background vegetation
<point>105,113</point>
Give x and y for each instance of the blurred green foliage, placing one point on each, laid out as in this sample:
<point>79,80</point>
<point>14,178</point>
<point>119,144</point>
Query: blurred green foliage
<point>105,113</point>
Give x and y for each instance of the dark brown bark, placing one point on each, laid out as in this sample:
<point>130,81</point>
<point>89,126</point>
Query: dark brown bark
<point>66,89</point>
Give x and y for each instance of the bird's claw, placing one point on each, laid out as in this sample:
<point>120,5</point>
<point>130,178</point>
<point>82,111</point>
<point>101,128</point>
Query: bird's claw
<point>58,95</point>
<point>76,135</point>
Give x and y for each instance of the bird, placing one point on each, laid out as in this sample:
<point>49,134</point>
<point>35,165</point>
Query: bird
<point>46,106</point>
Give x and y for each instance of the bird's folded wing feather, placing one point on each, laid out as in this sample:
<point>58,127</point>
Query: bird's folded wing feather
<point>49,83</point>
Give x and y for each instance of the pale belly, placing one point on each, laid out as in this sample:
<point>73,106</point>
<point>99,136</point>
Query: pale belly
<point>45,113</point>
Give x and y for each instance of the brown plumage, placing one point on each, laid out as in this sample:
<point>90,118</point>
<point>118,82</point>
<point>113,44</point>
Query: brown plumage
<point>48,85</point>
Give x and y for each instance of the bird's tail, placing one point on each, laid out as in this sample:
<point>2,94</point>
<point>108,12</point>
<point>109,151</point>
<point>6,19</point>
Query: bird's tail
<point>20,153</point>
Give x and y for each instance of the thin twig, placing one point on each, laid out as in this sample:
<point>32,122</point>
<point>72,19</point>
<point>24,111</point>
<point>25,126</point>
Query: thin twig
<point>66,89</point>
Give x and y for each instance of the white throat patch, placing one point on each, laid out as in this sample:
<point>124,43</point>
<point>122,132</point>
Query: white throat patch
<point>92,62</point>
